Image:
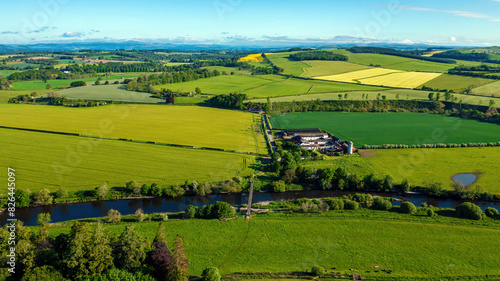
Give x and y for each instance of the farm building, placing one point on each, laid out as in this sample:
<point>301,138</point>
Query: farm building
<point>315,139</point>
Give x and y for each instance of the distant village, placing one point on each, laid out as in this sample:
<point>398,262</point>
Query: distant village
<point>315,139</point>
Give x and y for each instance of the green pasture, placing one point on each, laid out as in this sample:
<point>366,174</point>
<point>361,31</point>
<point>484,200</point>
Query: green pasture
<point>40,85</point>
<point>108,92</point>
<point>364,240</point>
<point>456,82</point>
<point>291,67</point>
<point>492,90</point>
<point>6,73</point>
<point>187,125</point>
<point>323,68</point>
<point>229,70</point>
<point>392,128</point>
<point>52,161</point>
<point>7,94</point>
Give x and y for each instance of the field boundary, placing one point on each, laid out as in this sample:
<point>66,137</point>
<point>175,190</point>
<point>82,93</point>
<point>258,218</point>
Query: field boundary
<point>135,141</point>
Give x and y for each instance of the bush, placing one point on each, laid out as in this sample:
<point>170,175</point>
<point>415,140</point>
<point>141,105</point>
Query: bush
<point>380,203</point>
<point>218,210</point>
<point>470,211</point>
<point>190,212</point>
<point>211,274</point>
<point>362,197</point>
<point>317,270</point>
<point>408,208</point>
<point>491,212</point>
<point>78,84</point>
<point>335,203</point>
<point>164,217</point>
<point>350,205</point>
<point>279,186</point>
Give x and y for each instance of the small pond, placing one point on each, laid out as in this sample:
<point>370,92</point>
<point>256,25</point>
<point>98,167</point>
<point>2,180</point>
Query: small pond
<point>464,179</point>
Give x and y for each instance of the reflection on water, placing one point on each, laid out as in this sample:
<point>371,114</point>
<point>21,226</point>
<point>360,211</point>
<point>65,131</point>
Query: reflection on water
<point>465,179</point>
<point>94,209</point>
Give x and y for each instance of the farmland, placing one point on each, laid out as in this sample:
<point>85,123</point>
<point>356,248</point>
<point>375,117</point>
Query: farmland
<point>291,67</point>
<point>52,161</point>
<point>492,90</point>
<point>407,245</point>
<point>108,92</point>
<point>392,128</point>
<point>195,126</point>
<point>7,94</point>
<point>253,58</point>
<point>456,83</point>
<point>40,85</point>
<point>384,77</point>
<point>323,68</point>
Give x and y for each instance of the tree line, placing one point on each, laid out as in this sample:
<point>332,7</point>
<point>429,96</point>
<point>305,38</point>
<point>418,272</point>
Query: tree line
<point>393,52</point>
<point>458,55</point>
<point>318,55</point>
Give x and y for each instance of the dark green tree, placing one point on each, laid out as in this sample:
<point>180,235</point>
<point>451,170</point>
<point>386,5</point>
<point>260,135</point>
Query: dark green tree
<point>130,251</point>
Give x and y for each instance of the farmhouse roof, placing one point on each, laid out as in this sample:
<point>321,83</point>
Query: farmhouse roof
<point>302,131</point>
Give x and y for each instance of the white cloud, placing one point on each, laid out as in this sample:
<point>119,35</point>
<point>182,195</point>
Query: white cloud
<point>453,39</point>
<point>457,13</point>
<point>72,34</point>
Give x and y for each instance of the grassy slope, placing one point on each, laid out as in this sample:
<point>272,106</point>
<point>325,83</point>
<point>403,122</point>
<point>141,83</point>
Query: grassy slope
<point>6,95</point>
<point>292,67</point>
<point>40,85</point>
<point>108,92</point>
<point>457,83</point>
<point>392,128</point>
<point>492,89</point>
<point>197,126</point>
<point>390,94</point>
<point>223,84</point>
<point>343,240</point>
<point>323,68</point>
<point>52,161</point>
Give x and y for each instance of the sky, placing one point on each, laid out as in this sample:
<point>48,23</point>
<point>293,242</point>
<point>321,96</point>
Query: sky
<point>435,22</point>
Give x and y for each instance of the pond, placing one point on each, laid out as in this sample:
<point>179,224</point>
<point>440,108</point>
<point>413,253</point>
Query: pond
<point>65,212</point>
<point>464,179</point>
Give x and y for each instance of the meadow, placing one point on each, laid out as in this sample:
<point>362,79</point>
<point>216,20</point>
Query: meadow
<point>492,90</point>
<point>291,67</point>
<point>392,128</point>
<point>8,94</point>
<point>384,77</point>
<point>323,68</point>
<point>457,83</point>
<point>40,85</point>
<point>407,245</point>
<point>51,161</point>
<point>186,125</point>
<point>108,92</point>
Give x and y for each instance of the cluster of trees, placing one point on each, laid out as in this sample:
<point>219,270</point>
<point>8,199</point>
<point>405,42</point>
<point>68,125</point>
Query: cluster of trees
<point>78,84</point>
<point>393,52</point>
<point>233,100</point>
<point>276,69</point>
<point>458,55</point>
<point>57,99</point>
<point>318,55</point>
<point>481,71</point>
<point>4,83</point>
<point>90,253</point>
<point>219,210</point>
<point>434,145</point>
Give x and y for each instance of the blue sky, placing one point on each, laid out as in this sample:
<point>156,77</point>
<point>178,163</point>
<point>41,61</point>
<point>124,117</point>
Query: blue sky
<point>459,22</point>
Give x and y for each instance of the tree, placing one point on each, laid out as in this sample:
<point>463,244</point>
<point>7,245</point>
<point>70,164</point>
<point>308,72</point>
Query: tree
<point>76,256</point>
<point>160,258</point>
<point>62,193</point>
<point>43,219</point>
<point>180,261</point>
<point>491,212</point>
<point>380,203</point>
<point>43,197</point>
<point>48,87</point>
<point>405,186</point>
<point>388,184</point>
<point>197,90</point>
<point>190,212</point>
<point>99,251</point>
<point>140,215</point>
<point>45,273</point>
<point>130,252</point>
<point>223,210</point>
<point>106,83</point>
<point>22,198</point>
<point>161,236</point>
<point>397,96</point>
<point>289,176</point>
<point>279,186</point>
<point>145,189</point>
<point>470,211</point>
<point>114,216</point>
<point>318,270</point>
<point>211,274</point>
<point>431,96</point>
<point>492,103</point>
<point>131,185</point>
<point>156,190</point>
<point>408,208</point>
<point>102,190</point>
<point>438,96</point>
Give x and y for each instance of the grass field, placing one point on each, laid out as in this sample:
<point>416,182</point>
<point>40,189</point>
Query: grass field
<point>392,128</point>
<point>187,125</point>
<point>228,70</point>
<point>323,68</point>
<point>342,240</point>
<point>492,90</point>
<point>6,95</point>
<point>292,67</point>
<point>52,161</point>
<point>456,82</point>
<point>383,77</point>
<point>224,84</point>
<point>40,85</point>
<point>390,94</point>
<point>108,92</point>
<point>6,73</point>
<point>293,86</point>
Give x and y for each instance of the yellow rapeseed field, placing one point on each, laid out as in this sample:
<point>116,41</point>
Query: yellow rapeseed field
<point>253,58</point>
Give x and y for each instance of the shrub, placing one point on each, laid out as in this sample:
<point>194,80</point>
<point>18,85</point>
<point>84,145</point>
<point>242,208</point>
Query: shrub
<point>362,197</point>
<point>350,205</point>
<point>218,210</point>
<point>491,212</point>
<point>140,215</point>
<point>380,203</point>
<point>114,216</point>
<point>317,270</point>
<point>190,212</point>
<point>335,203</point>
<point>211,274</point>
<point>78,84</point>
<point>164,217</point>
<point>408,208</point>
<point>279,186</point>
<point>470,211</point>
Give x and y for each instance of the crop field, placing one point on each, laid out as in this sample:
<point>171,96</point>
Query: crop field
<point>40,85</point>
<point>7,94</point>
<point>392,128</point>
<point>52,161</point>
<point>186,125</point>
<point>229,70</point>
<point>407,245</point>
<point>223,84</point>
<point>323,68</point>
<point>439,165</point>
<point>292,67</point>
<point>294,86</point>
<point>253,58</point>
<point>383,77</point>
<point>456,82</point>
<point>492,90</point>
<point>108,92</point>
<point>393,94</point>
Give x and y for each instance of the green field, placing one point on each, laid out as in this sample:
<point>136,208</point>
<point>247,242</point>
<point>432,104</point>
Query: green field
<point>392,128</point>
<point>390,94</point>
<point>293,86</point>
<point>6,95</point>
<point>52,161</point>
<point>6,73</point>
<point>223,84</point>
<point>228,70</point>
<point>492,90</point>
<point>187,125</point>
<point>40,85</point>
<point>322,68</point>
<point>108,92</point>
<point>456,82</point>
<point>407,245</point>
<point>291,67</point>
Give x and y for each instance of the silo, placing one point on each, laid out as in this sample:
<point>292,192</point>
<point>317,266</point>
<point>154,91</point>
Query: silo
<point>350,148</point>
